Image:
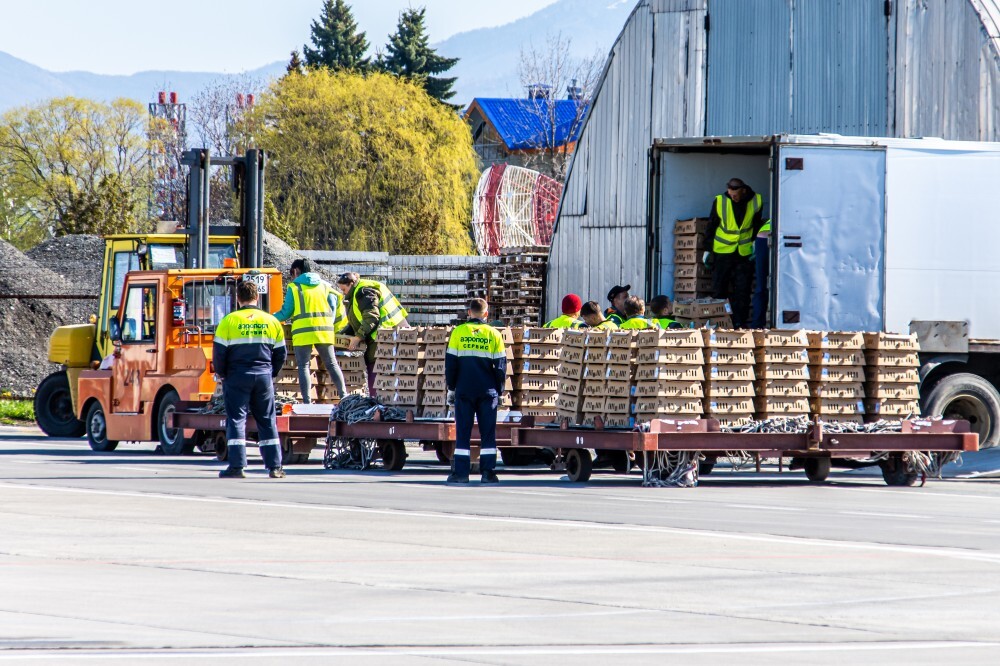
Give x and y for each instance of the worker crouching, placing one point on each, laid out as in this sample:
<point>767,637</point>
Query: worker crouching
<point>475,370</point>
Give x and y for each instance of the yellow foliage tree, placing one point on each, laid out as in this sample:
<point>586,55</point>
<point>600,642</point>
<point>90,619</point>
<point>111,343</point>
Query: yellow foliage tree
<point>366,163</point>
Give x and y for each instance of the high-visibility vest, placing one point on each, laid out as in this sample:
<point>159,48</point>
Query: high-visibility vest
<point>606,325</point>
<point>313,323</point>
<point>765,228</point>
<point>635,323</point>
<point>564,321</point>
<point>664,322</point>
<point>391,313</point>
<point>733,234</point>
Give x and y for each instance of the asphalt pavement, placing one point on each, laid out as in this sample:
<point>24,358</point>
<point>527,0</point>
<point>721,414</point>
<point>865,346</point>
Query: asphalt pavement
<point>133,557</point>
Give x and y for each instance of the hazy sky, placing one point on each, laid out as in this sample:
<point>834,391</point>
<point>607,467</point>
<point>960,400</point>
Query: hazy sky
<point>126,36</point>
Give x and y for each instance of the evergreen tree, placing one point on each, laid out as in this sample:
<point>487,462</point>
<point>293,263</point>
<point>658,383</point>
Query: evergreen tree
<point>295,65</point>
<point>409,55</point>
<point>338,44</point>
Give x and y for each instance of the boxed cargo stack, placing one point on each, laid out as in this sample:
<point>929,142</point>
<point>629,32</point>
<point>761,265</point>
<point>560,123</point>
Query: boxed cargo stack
<point>782,371</point>
<point>513,340</point>
<point>729,376</point>
<point>435,399</point>
<point>594,370</point>
<point>286,384</point>
<point>892,366</point>
<point>619,375</point>
<point>692,280</point>
<point>837,375</point>
<point>669,374</point>
<point>542,349</point>
<point>704,313</point>
<point>569,403</point>
<point>408,368</point>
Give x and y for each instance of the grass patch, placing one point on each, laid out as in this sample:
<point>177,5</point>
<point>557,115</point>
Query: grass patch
<point>16,412</point>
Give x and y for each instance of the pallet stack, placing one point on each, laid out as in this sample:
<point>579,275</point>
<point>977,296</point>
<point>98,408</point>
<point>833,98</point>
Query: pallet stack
<point>355,372</point>
<point>704,313</point>
<point>569,404</point>
<point>729,376</point>
<point>692,280</point>
<point>782,371</point>
<point>399,367</point>
<point>522,273</point>
<point>539,377</point>
<point>286,384</point>
<point>435,398</point>
<point>669,374</point>
<point>619,377</point>
<point>837,373</point>
<point>593,371</point>
<point>892,367</point>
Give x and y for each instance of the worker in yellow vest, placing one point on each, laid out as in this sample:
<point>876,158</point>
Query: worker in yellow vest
<point>661,312</point>
<point>316,311</point>
<point>734,221</point>
<point>370,306</point>
<point>571,304</point>
<point>592,316</point>
<point>635,310</point>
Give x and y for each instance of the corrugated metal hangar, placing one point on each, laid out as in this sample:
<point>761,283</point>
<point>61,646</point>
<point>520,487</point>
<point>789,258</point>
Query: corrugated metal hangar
<point>703,68</point>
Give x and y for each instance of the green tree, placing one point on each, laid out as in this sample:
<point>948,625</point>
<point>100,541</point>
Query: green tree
<point>409,54</point>
<point>73,165</point>
<point>295,65</point>
<point>337,43</point>
<point>367,163</point>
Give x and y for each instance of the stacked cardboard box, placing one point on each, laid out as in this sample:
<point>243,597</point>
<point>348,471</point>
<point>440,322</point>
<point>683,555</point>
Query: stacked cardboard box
<point>704,312</point>
<point>619,376</point>
<point>782,372</point>
<point>569,404</point>
<point>669,374</point>
<point>323,391</point>
<point>399,367</point>
<point>729,376</point>
<point>593,371</point>
<point>691,278</point>
<point>837,373</point>
<point>355,373</point>
<point>539,365</point>
<point>435,398</point>
<point>892,370</point>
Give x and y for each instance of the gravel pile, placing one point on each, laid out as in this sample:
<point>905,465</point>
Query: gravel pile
<point>77,258</point>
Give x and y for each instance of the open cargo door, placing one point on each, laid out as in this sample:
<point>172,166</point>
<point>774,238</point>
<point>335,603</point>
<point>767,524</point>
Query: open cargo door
<point>830,229</point>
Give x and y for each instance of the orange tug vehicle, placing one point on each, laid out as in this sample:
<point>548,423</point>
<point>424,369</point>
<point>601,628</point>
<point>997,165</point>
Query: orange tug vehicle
<point>162,354</point>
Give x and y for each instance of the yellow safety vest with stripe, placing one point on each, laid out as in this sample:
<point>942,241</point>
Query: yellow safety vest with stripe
<point>476,362</point>
<point>664,322</point>
<point>312,321</point>
<point>391,313</point>
<point>606,325</point>
<point>635,323</point>
<point>732,234</point>
<point>564,321</point>
<point>248,340</point>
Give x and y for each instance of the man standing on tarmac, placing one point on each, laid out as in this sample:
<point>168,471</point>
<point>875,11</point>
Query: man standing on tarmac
<point>248,353</point>
<point>733,224</point>
<point>370,306</point>
<point>617,296</point>
<point>475,370</point>
<point>571,304</point>
<point>317,314</point>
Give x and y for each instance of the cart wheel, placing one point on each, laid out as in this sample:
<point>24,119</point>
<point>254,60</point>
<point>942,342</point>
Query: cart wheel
<point>221,447</point>
<point>817,469</point>
<point>441,453</point>
<point>579,465</point>
<point>393,454</point>
<point>517,457</point>
<point>706,466</point>
<point>896,473</point>
<point>620,461</point>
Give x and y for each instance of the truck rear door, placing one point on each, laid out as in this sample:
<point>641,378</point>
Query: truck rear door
<point>829,238</point>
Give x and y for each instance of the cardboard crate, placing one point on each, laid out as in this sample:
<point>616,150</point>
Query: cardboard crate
<point>728,405</point>
<point>839,357</point>
<point>408,352</point>
<point>833,373</point>
<point>897,408</point>
<point>435,352</point>
<point>435,399</point>
<point>570,386</point>
<point>837,406</point>
<point>617,404</point>
<point>783,371</point>
<point>385,383</point>
<point>733,420</point>
<point>594,371</point>
<point>671,373</point>
<point>684,296</point>
<point>508,383</point>
<point>781,355</point>
<point>351,363</point>
<point>727,339</point>
<point>574,337</point>
<point>385,336</point>
<point>595,387</point>
<point>593,403</point>
<point>571,403</point>
<point>892,375</point>
<point>619,356</point>
<point>687,256</point>
<point>621,339</point>
<point>729,356</point>
<point>695,225</point>
<point>538,399</point>
<point>514,352</point>
<point>595,355</point>
<point>541,415</point>
<point>287,392</point>
<point>597,337</point>
<point>689,241</point>
<point>439,335</point>
<point>886,391</point>
<point>411,335</point>
<point>618,388</point>
<point>892,359</point>
<point>730,373</point>
<point>619,373</point>
<point>356,378</point>
<point>572,417</point>
<point>765,416</point>
<point>703,308</point>
<point>692,285</point>
<point>385,366</point>
<point>892,342</point>
<point>618,421</point>
<point>408,367</point>
<point>675,419</point>
<point>777,337</point>
<point>437,412</point>
<point>409,382</point>
<point>657,337</point>
<point>406,398</point>
<point>435,384</point>
<point>542,351</point>
<point>661,405</point>
<point>290,375</point>
<point>571,370</point>
<point>781,405</point>
<point>725,389</point>
<point>572,355</point>
<point>783,388</point>
<point>537,383</point>
<point>691,271</point>
<point>511,336</point>
<point>658,389</point>
<point>537,366</point>
<point>542,336</point>
<point>836,340</point>
<point>848,390</point>
<point>434,367</point>
<point>839,418</point>
<point>670,356</point>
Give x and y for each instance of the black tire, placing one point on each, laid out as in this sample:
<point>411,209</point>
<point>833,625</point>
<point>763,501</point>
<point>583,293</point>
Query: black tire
<point>441,453</point>
<point>54,408</point>
<point>221,446</point>
<point>971,398</point>
<point>288,454</point>
<point>620,461</point>
<point>172,440</point>
<point>579,465</point>
<point>97,429</point>
<point>517,457</point>
<point>817,469</point>
<point>896,473</point>
<point>705,467</point>
<point>393,454</point>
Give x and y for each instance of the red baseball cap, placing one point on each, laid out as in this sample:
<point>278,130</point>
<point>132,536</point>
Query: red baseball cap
<point>571,303</point>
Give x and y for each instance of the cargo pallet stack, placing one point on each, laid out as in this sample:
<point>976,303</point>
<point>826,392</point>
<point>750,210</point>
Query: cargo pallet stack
<point>595,381</point>
<point>704,312</point>
<point>692,279</point>
<point>286,384</point>
<point>729,376</point>
<point>620,375</point>
<point>569,403</point>
<point>892,368</point>
<point>522,273</point>
<point>399,367</point>
<point>435,398</point>
<point>669,375</point>
<point>782,372</point>
<point>539,378</point>
<point>836,367</point>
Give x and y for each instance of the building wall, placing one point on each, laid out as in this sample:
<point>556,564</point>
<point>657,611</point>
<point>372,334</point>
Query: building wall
<point>763,67</point>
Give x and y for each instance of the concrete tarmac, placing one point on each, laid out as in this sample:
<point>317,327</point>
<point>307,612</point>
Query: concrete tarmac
<point>130,557</point>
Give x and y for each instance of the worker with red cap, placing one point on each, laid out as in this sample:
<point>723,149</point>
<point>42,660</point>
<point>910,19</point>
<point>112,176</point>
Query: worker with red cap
<point>570,318</point>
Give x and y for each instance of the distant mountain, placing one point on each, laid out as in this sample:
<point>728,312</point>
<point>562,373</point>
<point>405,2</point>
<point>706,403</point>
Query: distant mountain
<point>487,67</point>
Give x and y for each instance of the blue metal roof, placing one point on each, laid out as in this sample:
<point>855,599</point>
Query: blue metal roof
<point>523,124</point>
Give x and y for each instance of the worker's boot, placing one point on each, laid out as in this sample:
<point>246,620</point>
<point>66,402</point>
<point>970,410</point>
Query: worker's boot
<point>489,477</point>
<point>236,454</point>
<point>457,480</point>
<point>232,473</point>
<point>276,473</point>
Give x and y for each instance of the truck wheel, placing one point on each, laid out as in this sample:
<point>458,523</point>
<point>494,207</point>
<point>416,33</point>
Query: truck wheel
<point>517,457</point>
<point>579,465</point>
<point>706,466</point>
<point>54,408</point>
<point>971,398</point>
<point>393,454</point>
<point>221,446</point>
<point>172,440</point>
<point>896,473</point>
<point>620,461</point>
<point>817,469</point>
<point>97,429</point>
<point>288,454</point>
<point>442,453</point>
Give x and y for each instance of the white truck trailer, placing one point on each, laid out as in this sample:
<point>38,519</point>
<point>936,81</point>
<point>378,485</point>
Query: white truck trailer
<point>869,234</point>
